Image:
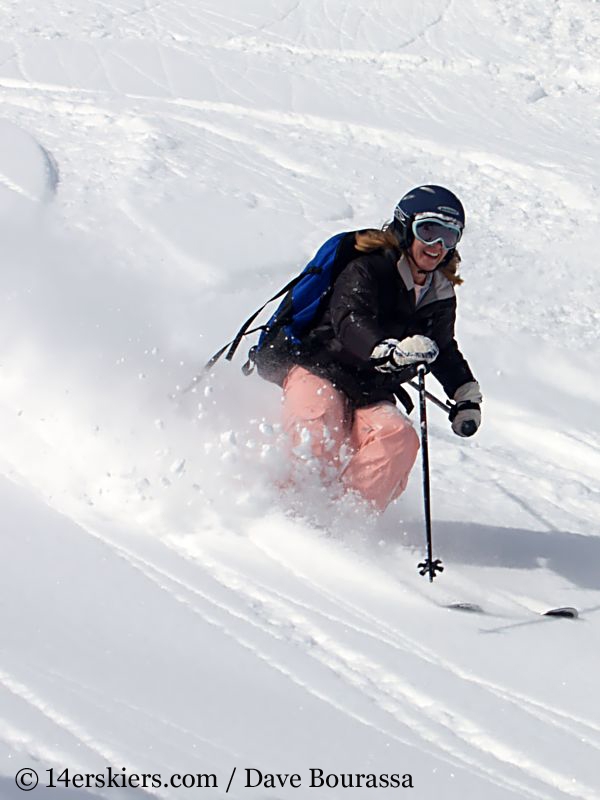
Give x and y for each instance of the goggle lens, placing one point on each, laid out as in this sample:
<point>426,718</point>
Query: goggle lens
<point>430,231</point>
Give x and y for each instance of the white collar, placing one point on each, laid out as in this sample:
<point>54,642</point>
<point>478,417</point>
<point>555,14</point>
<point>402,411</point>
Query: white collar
<point>406,275</point>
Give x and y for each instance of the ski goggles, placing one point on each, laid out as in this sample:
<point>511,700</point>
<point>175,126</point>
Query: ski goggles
<point>431,230</point>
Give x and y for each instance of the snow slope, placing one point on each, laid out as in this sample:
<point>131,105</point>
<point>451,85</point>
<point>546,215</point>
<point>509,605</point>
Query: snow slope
<point>164,167</point>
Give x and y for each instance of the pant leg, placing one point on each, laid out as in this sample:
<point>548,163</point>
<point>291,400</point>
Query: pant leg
<point>385,447</point>
<point>315,418</point>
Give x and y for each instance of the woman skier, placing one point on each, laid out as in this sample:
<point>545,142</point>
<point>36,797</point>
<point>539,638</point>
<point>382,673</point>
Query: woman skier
<point>392,307</point>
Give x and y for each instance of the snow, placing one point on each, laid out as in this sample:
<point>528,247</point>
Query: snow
<point>164,168</point>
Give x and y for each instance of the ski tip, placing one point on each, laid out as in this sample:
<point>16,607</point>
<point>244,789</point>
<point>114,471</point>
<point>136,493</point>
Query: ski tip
<point>566,612</point>
<point>470,608</point>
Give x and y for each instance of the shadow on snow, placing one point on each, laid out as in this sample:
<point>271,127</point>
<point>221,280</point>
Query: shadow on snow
<point>571,555</point>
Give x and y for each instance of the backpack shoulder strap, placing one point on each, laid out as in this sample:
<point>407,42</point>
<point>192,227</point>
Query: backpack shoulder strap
<point>243,331</point>
<point>339,240</point>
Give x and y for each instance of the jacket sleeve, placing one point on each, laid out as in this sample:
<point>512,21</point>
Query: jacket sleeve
<point>450,367</point>
<point>354,310</point>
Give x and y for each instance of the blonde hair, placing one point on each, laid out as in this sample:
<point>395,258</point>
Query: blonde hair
<point>372,239</point>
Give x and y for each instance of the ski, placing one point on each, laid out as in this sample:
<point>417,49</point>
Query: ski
<point>470,608</point>
<point>566,612</point>
<point>562,612</point>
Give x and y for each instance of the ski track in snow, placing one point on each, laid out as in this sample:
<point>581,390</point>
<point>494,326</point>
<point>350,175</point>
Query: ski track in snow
<point>401,700</point>
<point>282,617</point>
<point>521,174</point>
<point>81,736</point>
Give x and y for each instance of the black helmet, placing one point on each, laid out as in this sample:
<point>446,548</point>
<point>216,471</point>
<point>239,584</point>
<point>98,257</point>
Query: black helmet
<point>426,201</point>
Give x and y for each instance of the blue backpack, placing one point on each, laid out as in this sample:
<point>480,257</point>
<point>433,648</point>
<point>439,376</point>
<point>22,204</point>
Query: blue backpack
<point>305,297</point>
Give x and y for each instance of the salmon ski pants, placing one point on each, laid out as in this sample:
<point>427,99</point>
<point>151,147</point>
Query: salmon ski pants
<point>371,450</point>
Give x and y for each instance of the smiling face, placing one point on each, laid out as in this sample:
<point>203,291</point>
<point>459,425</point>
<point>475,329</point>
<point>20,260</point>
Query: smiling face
<point>425,258</point>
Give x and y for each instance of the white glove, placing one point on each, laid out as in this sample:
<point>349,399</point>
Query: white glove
<point>392,354</point>
<point>465,414</point>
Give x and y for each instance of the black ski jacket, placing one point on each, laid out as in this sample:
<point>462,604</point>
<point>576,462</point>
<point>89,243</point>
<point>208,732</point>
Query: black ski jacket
<point>373,299</point>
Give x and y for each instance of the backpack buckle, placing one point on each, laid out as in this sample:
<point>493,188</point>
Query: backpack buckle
<point>248,367</point>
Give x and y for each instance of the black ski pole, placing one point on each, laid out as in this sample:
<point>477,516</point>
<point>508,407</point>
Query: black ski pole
<point>429,566</point>
<point>444,405</point>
